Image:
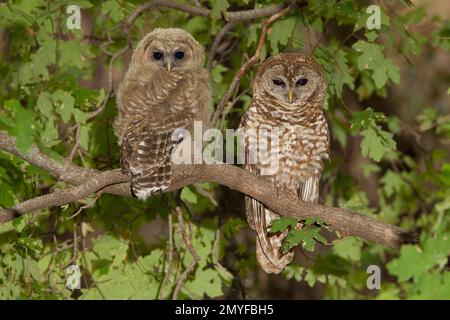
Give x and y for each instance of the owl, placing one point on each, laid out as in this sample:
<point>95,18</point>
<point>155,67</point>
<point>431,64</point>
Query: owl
<point>166,88</point>
<point>288,93</point>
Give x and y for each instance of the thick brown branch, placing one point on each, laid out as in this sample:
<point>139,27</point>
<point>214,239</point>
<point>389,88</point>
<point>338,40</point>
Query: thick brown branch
<point>89,181</point>
<point>64,171</point>
<point>93,184</point>
<point>289,205</point>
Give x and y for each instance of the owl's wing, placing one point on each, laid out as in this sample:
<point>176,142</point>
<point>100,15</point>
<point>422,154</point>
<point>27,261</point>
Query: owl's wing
<point>308,189</point>
<point>146,153</point>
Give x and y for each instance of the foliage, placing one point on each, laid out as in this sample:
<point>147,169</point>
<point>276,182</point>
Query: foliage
<point>54,78</point>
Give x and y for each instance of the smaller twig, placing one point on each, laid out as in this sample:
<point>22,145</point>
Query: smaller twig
<point>205,193</point>
<point>75,243</point>
<point>216,247</point>
<point>231,105</point>
<point>169,258</point>
<point>250,63</point>
<point>107,43</point>
<point>217,40</point>
<point>84,207</point>
<point>110,82</point>
<point>188,243</point>
<point>77,143</point>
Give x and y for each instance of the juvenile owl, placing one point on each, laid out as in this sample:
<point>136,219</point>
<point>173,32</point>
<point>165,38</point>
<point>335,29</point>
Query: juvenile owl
<point>288,93</point>
<point>165,88</point>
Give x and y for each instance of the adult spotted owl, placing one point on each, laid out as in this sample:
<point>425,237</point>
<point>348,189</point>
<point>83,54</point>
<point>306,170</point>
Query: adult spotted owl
<point>288,93</point>
<point>164,89</point>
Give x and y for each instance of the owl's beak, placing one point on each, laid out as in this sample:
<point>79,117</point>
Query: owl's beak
<point>290,96</point>
<point>169,65</point>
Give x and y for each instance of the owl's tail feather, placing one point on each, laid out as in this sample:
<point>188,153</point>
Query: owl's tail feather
<point>153,169</point>
<point>272,263</point>
<point>269,251</point>
<point>148,183</point>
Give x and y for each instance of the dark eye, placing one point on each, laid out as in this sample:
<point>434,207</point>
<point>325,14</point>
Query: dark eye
<point>278,82</point>
<point>158,55</point>
<point>302,82</point>
<point>179,55</point>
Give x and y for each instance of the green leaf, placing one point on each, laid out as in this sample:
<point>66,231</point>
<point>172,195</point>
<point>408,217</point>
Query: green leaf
<point>348,248</point>
<point>73,53</point>
<point>188,195</point>
<point>293,271</point>
<point>282,224</point>
<point>110,248</point>
<point>280,33</point>
<point>427,118</point>
<point>388,292</point>
<point>410,264</point>
<point>437,249</point>
<point>24,128</point>
<point>366,118</point>
<point>372,58</point>
<point>216,73</point>
<point>341,73</point>
<point>7,198</point>
<point>205,282</point>
<point>218,8</point>
<point>347,12</point>
<point>392,183</point>
<point>49,136</point>
<point>252,35</point>
<point>306,238</point>
<point>434,286</point>
<point>311,277</point>
<point>376,143</point>
<point>66,104</point>
<point>84,137</point>
<point>45,105</point>
<point>232,225</point>
<point>114,9</point>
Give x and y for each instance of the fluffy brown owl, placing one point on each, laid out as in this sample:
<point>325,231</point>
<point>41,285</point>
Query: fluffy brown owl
<point>288,93</point>
<point>165,88</point>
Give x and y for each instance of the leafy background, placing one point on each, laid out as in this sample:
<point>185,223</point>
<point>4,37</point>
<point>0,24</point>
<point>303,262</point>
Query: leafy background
<point>388,109</point>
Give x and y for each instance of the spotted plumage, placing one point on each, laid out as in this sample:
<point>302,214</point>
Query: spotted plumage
<point>165,88</point>
<point>288,93</point>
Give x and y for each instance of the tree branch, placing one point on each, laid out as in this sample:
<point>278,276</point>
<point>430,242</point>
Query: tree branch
<point>195,258</point>
<point>88,181</point>
<point>225,29</point>
<point>231,16</point>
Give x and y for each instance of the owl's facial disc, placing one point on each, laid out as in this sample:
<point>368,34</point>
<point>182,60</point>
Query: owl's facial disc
<point>170,56</point>
<point>291,84</point>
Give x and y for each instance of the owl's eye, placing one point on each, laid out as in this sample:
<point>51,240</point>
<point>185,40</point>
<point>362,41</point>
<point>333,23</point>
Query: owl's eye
<point>158,55</point>
<point>179,55</point>
<point>301,82</point>
<point>278,82</point>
